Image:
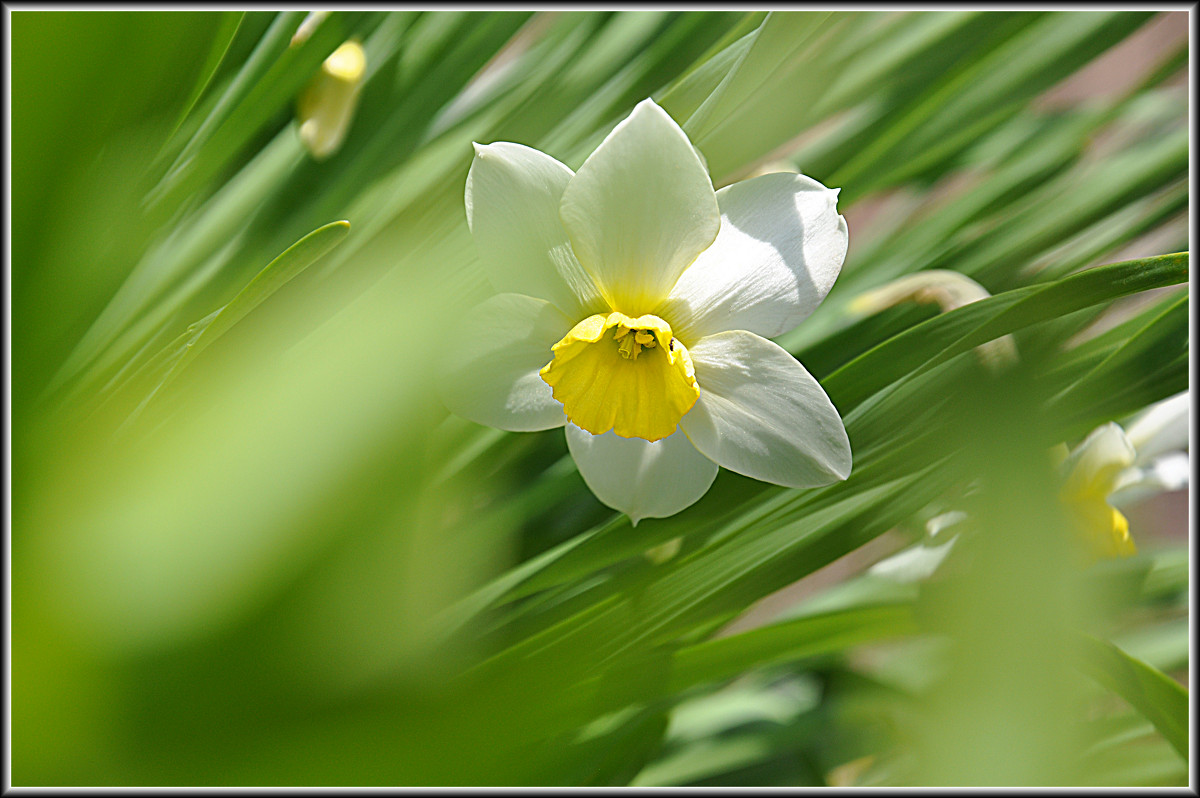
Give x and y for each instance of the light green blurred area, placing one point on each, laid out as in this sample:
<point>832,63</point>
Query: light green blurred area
<point>278,561</point>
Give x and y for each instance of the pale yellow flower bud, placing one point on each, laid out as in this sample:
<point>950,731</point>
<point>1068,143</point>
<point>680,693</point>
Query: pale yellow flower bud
<point>309,25</point>
<point>326,106</point>
<point>664,551</point>
<point>950,290</point>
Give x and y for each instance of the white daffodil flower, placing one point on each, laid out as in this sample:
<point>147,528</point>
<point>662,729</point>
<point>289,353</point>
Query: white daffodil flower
<point>635,307</point>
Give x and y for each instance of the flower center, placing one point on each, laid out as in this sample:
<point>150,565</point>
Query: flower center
<point>625,374</point>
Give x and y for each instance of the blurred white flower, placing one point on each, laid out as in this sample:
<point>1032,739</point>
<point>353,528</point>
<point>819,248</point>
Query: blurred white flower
<point>1089,476</point>
<point>915,563</point>
<point>1113,468</point>
<point>920,561</point>
<point>635,309</point>
<point>1159,436</point>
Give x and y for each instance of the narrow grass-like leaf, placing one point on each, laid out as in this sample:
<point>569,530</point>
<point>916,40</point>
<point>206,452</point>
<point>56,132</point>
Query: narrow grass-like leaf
<point>726,657</point>
<point>779,36</point>
<point>1151,348</point>
<point>1146,366</point>
<point>949,334</point>
<point>231,22</point>
<point>1062,43</point>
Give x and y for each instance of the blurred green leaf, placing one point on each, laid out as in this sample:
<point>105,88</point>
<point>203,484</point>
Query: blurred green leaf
<point>231,21</point>
<point>1159,698</point>
<point>726,657</point>
<point>274,275</point>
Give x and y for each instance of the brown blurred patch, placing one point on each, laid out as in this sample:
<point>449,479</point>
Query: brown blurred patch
<point>1120,68</point>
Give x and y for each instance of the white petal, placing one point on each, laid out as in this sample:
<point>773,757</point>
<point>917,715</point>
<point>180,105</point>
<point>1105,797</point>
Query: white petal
<point>1096,463</point>
<point>1172,471</point>
<point>640,478</point>
<point>640,209</point>
<point>490,368</point>
<point>780,248</point>
<point>915,563</point>
<point>1168,473</point>
<point>512,196</point>
<point>943,521</point>
<point>761,414</point>
<point>1161,428</point>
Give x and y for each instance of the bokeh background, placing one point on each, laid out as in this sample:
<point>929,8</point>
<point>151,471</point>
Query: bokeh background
<point>250,547</point>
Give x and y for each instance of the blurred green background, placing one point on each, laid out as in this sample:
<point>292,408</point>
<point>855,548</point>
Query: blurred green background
<point>250,547</point>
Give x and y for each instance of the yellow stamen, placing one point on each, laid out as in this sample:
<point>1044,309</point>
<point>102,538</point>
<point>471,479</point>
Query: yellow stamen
<point>637,385</point>
<point>628,347</point>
